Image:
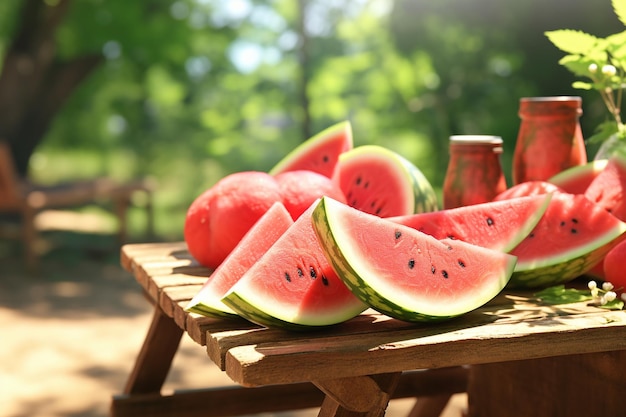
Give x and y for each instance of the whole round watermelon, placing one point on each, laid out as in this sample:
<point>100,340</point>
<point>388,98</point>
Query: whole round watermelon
<point>218,218</point>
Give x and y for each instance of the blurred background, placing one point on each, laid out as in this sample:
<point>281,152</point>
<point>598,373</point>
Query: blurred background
<point>187,91</point>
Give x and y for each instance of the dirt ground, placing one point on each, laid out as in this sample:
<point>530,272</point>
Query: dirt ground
<point>69,335</point>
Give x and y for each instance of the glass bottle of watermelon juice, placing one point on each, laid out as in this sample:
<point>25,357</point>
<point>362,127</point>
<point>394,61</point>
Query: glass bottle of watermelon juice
<point>474,173</point>
<point>549,139</point>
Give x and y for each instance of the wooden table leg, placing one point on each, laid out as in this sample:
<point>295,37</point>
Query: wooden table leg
<point>592,384</point>
<point>156,355</point>
<point>366,396</point>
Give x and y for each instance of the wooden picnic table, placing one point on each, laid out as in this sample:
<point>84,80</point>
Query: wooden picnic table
<point>514,356</point>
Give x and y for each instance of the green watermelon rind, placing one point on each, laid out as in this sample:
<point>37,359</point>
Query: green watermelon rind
<point>255,315</point>
<point>205,310</point>
<point>419,193</point>
<point>347,270</point>
<point>328,134</point>
<point>561,272</point>
<point>568,265</point>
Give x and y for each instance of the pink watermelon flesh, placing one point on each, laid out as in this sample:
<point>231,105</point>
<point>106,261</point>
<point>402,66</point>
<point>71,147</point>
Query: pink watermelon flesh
<point>404,273</point>
<point>218,218</point>
<point>499,225</point>
<point>573,235</point>
<point>527,188</point>
<point>252,246</point>
<point>608,189</point>
<point>379,181</point>
<point>319,153</point>
<point>576,180</point>
<point>293,285</point>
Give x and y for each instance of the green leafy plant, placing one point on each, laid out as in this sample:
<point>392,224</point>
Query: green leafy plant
<point>602,62</point>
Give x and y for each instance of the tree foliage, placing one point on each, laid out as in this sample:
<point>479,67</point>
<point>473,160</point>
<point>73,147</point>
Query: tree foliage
<point>217,86</point>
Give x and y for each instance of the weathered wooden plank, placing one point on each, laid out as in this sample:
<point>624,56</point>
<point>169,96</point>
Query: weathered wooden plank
<point>199,326</point>
<point>219,402</point>
<point>156,355</point>
<point>235,400</point>
<point>425,348</point>
<point>566,386</point>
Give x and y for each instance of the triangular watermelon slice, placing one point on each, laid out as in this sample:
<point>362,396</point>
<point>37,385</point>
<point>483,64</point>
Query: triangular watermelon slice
<point>498,225</point>
<point>576,179</point>
<point>573,235</point>
<point>252,246</point>
<point>608,188</point>
<point>319,153</point>
<point>379,181</point>
<point>404,273</point>
<point>293,285</point>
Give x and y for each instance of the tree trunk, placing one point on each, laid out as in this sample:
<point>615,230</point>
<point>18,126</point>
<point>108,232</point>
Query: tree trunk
<point>304,61</point>
<point>35,83</point>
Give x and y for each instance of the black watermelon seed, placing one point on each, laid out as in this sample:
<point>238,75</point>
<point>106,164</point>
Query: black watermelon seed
<point>411,263</point>
<point>313,272</point>
<point>358,180</point>
<point>353,202</point>
<point>325,158</point>
<point>324,280</point>
<point>531,235</point>
<point>433,269</point>
<point>300,273</point>
<point>562,223</point>
<point>287,277</point>
<point>378,210</point>
<point>461,263</point>
<point>398,234</point>
<point>574,220</point>
<point>444,273</point>
<point>367,184</point>
<point>451,237</point>
<point>489,221</point>
<point>574,231</point>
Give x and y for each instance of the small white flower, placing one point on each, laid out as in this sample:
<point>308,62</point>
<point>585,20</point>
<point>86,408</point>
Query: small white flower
<point>603,300</point>
<point>593,68</point>
<point>610,296</point>
<point>592,284</point>
<point>595,292</point>
<point>609,70</point>
<point>607,286</point>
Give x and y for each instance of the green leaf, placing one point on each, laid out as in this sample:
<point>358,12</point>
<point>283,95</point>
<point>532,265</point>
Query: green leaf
<point>616,304</point>
<point>581,85</point>
<point>619,6</point>
<point>603,132</point>
<point>558,294</point>
<point>572,41</point>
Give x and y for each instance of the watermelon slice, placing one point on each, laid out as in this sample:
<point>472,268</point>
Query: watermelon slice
<point>318,153</point>
<point>498,225</point>
<point>292,285</point>
<point>608,189</point>
<point>527,188</point>
<point>404,273</point>
<point>576,179</point>
<point>379,181</point>
<point>252,246</point>
<point>573,235</point>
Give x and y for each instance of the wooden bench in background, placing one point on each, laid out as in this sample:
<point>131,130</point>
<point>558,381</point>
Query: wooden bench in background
<point>26,201</point>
